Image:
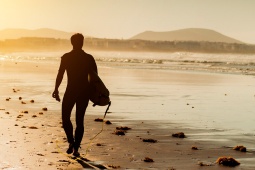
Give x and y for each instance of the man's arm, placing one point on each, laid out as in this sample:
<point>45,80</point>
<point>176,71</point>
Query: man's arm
<point>59,79</point>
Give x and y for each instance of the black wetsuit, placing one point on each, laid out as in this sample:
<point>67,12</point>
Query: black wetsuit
<point>77,64</point>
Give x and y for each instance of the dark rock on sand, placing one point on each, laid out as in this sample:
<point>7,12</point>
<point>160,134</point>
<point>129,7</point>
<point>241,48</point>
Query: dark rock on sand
<point>67,161</point>
<point>150,140</point>
<point>19,116</point>
<point>119,132</point>
<point>54,152</point>
<point>108,122</point>
<point>227,161</point>
<point>240,148</point>
<point>194,148</point>
<point>39,154</point>
<point>113,166</point>
<point>123,128</point>
<point>179,135</point>
<point>15,90</point>
<point>45,109</point>
<point>147,159</point>
<point>99,120</point>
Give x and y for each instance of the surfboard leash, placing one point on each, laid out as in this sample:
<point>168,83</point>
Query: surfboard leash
<point>91,139</point>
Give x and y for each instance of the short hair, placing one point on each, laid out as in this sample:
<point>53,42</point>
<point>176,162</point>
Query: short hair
<point>77,40</point>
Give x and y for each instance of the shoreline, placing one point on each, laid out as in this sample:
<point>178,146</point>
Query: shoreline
<point>46,71</point>
<point>37,147</point>
<point>240,64</point>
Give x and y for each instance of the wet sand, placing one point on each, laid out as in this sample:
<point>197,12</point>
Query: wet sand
<point>37,141</point>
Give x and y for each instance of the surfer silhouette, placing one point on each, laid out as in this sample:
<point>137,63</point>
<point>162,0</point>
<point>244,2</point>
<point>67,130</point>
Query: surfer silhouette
<point>77,65</point>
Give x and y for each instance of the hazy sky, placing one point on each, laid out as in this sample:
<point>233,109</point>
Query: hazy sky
<point>125,18</point>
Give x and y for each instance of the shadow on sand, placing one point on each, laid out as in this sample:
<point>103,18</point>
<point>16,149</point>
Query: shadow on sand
<point>88,164</point>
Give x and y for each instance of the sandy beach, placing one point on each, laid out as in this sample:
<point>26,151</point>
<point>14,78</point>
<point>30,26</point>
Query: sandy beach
<point>32,138</point>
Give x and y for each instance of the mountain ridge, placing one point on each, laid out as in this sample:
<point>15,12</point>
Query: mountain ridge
<point>188,34</point>
<point>15,33</point>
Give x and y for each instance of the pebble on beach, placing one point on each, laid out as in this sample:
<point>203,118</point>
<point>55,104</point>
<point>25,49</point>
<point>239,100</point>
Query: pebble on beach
<point>123,128</point>
<point>179,135</point>
<point>32,101</point>
<point>113,166</point>
<point>45,109</point>
<point>194,148</point>
<point>40,113</point>
<point>19,116</point>
<point>119,132</point>
<point>240,148</point>
<point>39,154</point>
<point>227,161</point>
<point>150,140</point>
<point>20,98</point>
<point>33,127</point>
<point>108,122</point>
<point>99,120</point>
<point>147,159</point>
<point>22,102</point>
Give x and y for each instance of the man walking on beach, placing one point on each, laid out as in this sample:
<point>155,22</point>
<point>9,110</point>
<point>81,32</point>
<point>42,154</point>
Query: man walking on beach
<point>77,64</point>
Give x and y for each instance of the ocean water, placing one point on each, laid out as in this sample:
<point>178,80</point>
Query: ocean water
<point>207,91</point>
<point>233,63</point>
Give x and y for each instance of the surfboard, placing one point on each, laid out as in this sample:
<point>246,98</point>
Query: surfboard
<point>99,94</point>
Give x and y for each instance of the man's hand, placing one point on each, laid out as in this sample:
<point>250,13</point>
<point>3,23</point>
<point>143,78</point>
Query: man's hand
<point>56,95</point>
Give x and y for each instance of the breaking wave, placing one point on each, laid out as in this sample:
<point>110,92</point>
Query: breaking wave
<point>236,63</point>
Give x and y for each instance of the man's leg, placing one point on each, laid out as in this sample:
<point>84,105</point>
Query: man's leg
<point>81,106</point>
<point>67,106</point>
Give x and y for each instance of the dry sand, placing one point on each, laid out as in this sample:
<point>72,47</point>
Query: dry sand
<point>37,141</point>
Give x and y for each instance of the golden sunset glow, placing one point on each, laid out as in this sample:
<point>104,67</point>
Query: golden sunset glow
<point>127,84</point>
<point>124,19</point>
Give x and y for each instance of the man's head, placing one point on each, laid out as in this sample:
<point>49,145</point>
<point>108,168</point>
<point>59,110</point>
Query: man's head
<point>77,40</point>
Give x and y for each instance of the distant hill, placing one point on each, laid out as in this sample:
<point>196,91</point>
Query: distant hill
<point>43,32</point>
<point>36,44</point>
<point>190,34</point>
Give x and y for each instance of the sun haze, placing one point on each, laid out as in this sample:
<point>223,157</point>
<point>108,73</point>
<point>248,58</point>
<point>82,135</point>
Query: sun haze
<point>124,19</point>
